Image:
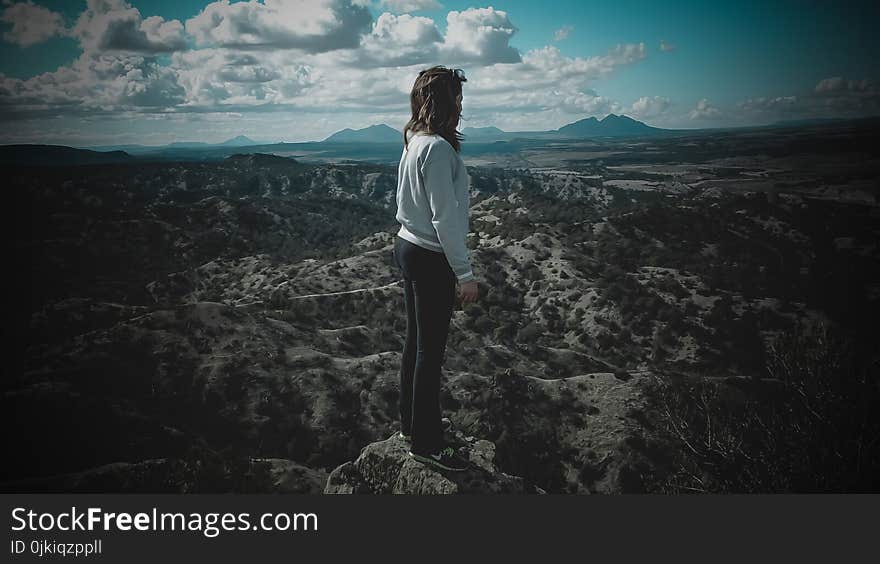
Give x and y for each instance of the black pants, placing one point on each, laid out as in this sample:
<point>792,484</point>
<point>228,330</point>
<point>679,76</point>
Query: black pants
<point>429,290</point>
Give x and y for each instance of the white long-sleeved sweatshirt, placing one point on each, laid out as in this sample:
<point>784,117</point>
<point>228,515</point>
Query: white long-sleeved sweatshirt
<point>433,200</point>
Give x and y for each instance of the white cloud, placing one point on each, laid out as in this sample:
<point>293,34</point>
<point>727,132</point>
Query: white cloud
<point>116,72</point>
<point>546,83</point>
<point>31,24</point>
<point>650,106</point>
<point>234,81</point>
<point>355,89</point>
<point>839,84</point>
<point>255,59</point>
<point>105,25</point>
<point>548,69</point>
<point>330,82</point>
<point>397,41</point>
<point>831,97</point>
<point>588,103</point>
<point>401,6</point>
<point>771,105</point>
<point>666,47</point>
<point>217,78</point>
<point>114,25</point>
<point>543,81</point>
<point>479,36</point>
<point>704,110</point>
<point>626,53</point>
<point>404,30</point>
<point>562,32</point>
<point>104,82</point>
<point>310,25</point>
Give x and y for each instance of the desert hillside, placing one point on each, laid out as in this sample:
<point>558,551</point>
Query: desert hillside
<point>237,325</point>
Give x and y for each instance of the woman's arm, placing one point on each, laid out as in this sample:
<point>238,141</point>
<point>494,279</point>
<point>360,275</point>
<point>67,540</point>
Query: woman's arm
<point>446,209</point>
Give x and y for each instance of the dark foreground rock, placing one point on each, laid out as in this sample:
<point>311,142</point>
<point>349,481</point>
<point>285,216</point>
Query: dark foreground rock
<point>384,467</point>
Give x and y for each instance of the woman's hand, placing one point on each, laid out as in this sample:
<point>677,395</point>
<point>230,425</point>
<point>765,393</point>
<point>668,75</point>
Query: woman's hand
<point>468,291</point>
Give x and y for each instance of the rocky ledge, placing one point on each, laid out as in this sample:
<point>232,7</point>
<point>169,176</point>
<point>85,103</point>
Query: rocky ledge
<point>384,467</point>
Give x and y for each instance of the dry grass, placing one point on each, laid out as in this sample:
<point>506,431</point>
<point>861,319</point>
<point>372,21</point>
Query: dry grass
<point>811,424</point>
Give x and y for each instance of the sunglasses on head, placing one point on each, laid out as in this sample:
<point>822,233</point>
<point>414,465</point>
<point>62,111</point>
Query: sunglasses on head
<point>457,73</point>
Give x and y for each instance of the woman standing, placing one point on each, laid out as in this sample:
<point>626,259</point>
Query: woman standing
<point>431,251</point>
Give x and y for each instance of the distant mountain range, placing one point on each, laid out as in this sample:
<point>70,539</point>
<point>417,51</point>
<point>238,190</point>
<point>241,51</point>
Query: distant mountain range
<point>58,155</point>
<point>238,141</point>
<point>610,126</point>
<point>376,143</point>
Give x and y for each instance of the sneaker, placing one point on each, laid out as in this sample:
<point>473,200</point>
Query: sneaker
<point>445,422</point>
<point>445,459</point>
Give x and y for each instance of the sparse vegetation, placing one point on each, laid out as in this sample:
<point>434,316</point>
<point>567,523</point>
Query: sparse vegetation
<point>212,315</point>
<point>810,423</point>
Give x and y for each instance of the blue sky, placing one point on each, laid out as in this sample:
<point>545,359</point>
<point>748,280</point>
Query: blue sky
<point>151,72</point>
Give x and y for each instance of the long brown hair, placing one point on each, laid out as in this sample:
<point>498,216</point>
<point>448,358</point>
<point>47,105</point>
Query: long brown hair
<point>433,105</point>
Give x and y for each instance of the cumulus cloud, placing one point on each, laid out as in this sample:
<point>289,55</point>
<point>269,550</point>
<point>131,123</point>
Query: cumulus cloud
<point>114,25</point>
<point>310,25</point>
<point>226,76</point>
<point>401,6</point>
<point>229,80</point>
<point>252,58</point>
<point>544,80</point>
<point>650,106</point>
<point>95,83</point>
<point>219,77</point>
<point>626,53</point>
<point>588,103</point>
<point>704,110</point>
<point>831,97</point>
<point>838,84</point>
<point>666,47</point>
<point>777,105</point>
<point>548,82</point>
<point>117,71</point>
<point>479,36</point>
<point>397,41</point>
<point>105,25</point>
<point>547,66</point>
<point>562,32</point>
<point>31,24</point>
<point>358,89</point>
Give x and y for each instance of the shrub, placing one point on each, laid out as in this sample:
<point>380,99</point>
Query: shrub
<point>811,425</point>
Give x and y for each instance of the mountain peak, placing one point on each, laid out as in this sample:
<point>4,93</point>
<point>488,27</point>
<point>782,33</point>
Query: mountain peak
<point>378,133</point>
<point>239,140</point>
<point>611,118</point>
<point>483,130</point>
<point>612,125</point>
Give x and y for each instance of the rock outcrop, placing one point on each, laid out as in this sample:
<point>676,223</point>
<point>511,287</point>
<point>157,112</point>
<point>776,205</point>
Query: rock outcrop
<point>384,467</point>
